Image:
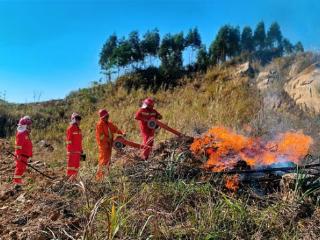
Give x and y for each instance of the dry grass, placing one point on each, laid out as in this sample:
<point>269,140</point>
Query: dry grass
<point>216,98</point>
<point>168,208</point>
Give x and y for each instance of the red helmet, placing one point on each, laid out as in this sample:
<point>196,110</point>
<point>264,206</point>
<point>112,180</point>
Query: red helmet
<point>26,120</point>
<point>75,115</point>
<point>103,113</point>
<point>149,102</point>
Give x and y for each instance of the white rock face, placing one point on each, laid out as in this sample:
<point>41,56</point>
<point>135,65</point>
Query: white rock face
<point>304,88</point>
<point>262,80</point>
<point>265,79</point>
<point>244,69</point>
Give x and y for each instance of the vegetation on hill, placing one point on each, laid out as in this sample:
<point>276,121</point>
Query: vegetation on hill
<point>155,200</point>
<point>199,103</point>
<point>158,62</point>
<point>137,201</point>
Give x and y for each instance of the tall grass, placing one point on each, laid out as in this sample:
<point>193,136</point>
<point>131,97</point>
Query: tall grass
<point>216,98</point>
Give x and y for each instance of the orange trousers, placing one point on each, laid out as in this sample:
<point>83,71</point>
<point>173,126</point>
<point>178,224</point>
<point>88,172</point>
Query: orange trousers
<point>104,161</point>
<point>20,169</point>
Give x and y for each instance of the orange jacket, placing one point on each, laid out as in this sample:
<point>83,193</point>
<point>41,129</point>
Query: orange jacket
<point>74,139</point>
<point>104,133</point>
<point>23,144</point>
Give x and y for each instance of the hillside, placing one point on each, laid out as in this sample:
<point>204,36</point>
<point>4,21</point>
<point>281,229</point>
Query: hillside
<point>222,87</point>
<point>171,196</point>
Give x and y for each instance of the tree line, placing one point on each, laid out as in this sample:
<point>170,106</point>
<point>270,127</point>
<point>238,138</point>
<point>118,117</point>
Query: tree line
<point>162,58</point>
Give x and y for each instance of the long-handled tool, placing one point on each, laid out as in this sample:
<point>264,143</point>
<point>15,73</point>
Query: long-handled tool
<point>29,165</point>
<point>120,142</point>
<point>153,123</point>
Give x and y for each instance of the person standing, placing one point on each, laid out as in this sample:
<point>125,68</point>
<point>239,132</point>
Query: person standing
<point>74,146</point>
<point>143,115</point>
<point>23,148</point>
<point>105,131</point>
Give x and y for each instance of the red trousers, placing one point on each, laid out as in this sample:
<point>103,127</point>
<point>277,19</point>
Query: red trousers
<point>20,169</point>
<point>147,140</point>
<point>73,164</point>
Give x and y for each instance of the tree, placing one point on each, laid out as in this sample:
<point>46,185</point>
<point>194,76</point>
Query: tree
<point>202,58</point>
<point>178,42</point>
<point>260,37</point>
<point>193,40</point>
<point>247,43</point>
<point>233,42</point>
<point>150,43</point>
<point>218,48</point>
<point>165,49</point>
<point>123,53</point>
<point>274,36</point>
<point>134,42</point>
<point>107,59</point>
<point>298,48</point>
<point>107,51</point>
<point>215,53</point>
<point>226,44</point>
<point>287,46</point>
<point>274,41</point>
<point>170,54</point>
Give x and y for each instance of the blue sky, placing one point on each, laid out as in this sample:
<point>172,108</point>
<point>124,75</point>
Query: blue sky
<point>49,48</point>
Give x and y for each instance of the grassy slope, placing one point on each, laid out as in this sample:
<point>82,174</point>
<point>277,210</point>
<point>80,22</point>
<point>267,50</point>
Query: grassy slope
<point>169,209</point>
<point>206,100</point>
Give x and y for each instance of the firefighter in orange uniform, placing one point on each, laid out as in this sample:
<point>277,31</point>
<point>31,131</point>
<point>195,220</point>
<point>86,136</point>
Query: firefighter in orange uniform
<point>74,146</point>
<point>23,148</point>
<point>143,115</point>
<point>105,131</point>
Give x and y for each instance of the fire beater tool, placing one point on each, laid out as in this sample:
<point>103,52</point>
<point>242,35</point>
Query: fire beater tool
<point>120,142</point>
<point>153,123</point>
<point>29,165</point>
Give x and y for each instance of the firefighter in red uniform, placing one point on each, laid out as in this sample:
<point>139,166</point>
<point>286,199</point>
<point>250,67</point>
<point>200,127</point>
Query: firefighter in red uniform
<point>143,115</point>
<point>23,146</point>
<point>74,146</point>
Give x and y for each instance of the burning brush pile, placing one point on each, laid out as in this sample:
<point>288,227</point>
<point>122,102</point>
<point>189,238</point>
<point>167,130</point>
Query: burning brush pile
<point>222,155</point>
<point>238,156</point>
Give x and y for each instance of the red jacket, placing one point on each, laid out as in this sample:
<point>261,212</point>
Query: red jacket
<point>143,115</point>
<point>23,144</point>
<point>74,139</point>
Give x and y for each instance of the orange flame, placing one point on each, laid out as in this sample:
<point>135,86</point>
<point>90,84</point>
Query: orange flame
<point>225,148</point>
<point>232,183</point>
